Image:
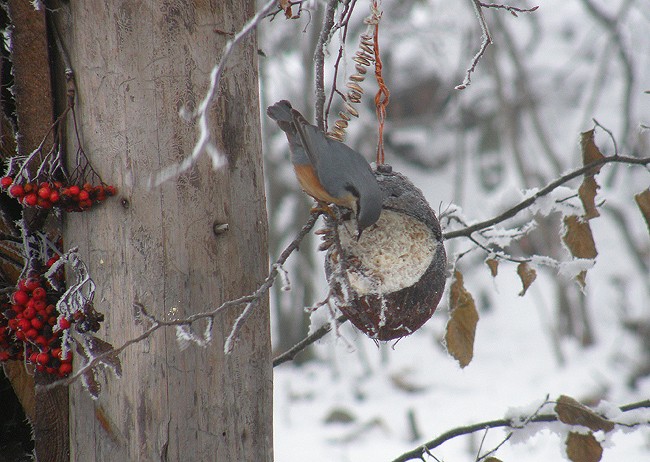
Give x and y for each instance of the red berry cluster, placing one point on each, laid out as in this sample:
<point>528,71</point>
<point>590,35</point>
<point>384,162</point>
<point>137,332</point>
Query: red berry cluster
<point>71,198</point>
<point>32,318</point>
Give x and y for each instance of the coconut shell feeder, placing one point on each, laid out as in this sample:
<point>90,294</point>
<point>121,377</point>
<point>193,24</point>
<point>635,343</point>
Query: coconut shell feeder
<point>390,281</point>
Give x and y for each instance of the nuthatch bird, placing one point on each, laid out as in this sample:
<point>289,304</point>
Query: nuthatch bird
<point>328,170</point>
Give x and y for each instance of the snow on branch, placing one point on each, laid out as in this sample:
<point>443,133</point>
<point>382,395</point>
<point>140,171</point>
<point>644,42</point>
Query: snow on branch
<point>568,411</point>
<point>526,203</point>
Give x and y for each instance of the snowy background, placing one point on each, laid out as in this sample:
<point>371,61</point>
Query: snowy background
<point>516,127</point>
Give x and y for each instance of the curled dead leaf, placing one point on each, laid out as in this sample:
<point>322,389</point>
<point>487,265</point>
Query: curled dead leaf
<point>583,448</point>
<point>590,152</point>
<point>587,193</point>
<point>643,201</point>
<point>572,412</point>
<point>580,241</point>
<point>493,264</point>
<point>286,6</point>
<point>578,237</point>
<point>461,328</point>
<point>527,276</point>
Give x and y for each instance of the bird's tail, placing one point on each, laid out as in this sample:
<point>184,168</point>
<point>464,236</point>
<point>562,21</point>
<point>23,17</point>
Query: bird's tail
<point>281,113</point>
<point>284,114</point>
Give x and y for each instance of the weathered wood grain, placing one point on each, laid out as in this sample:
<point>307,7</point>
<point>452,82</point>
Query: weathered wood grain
<point>137,64</point>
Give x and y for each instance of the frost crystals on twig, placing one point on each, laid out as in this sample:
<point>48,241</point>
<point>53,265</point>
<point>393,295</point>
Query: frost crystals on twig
<point>486,38</point>
<point>204,143</point>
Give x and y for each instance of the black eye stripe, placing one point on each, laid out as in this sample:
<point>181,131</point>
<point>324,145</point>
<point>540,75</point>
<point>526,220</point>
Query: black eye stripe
<point>353,190</point>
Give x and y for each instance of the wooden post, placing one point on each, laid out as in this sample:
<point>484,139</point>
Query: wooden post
<point>47,410</point>
<point>137,63</point>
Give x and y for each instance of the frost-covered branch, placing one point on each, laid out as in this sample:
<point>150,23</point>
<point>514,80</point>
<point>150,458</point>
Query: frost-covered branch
<point>513,424</point>
<point>523,205</point>
<point>486,38</point>
<point>204,143</point>
<point>183,326</point>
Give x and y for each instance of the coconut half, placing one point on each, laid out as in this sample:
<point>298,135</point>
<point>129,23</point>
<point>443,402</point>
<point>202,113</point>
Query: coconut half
<point>389,282</point>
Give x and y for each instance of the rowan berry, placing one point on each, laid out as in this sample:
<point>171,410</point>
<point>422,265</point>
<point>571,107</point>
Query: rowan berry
<point>39,293</point>
<point>17,191</point>
<point>44,192</point>
<point>65,369</point>
<point>6,181</point>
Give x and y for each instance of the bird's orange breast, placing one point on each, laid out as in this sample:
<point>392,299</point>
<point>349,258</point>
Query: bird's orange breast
<point>311,185</point>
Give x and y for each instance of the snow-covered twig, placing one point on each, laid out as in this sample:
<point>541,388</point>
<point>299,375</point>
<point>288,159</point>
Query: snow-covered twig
<point>420,451</point>
<point>511,212</point>
<point>204,143</point>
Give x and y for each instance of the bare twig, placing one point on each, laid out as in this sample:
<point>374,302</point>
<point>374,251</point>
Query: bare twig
<point>511,212</point>
<point>513,10</point>
<point>319,62</point>
<point>419,452</point>
<point>204,143</point>
<point>611,24</point>
<point>318,334</point>
<point>486,38</point>
<point>344,25</point>
<point>485,42</point>
<point>250,300</point>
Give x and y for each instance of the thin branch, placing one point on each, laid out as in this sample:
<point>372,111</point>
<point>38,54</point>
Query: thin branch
<point>611,24</point>
<point>419,452</point>
<point>485,42</point>
<point>319,62</point>
<point>486,38</point>
<point>250,300</point>
<point>513,10</point>
<point>204,143</point>
<point>466,232</point>
<point>318,334</point>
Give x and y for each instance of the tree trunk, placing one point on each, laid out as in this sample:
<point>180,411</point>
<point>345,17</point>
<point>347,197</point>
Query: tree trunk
<point>138,63</point>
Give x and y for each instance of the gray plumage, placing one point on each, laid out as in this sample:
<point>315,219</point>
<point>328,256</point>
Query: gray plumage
<point>340,169</point>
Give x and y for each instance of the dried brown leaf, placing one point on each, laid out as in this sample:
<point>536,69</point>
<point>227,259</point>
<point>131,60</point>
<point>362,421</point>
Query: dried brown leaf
<point>580,241</point>
<point>527,276</point>
<point>492,459</point>
<point>572,412</point>
<point>590,152</point>
<point>587,193</point>
<point>286,6</point>
<point>461,327</point>
<point>583,448</point>
<point>493,264</point>
<point>643,201</point>
<point>578,237</point>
